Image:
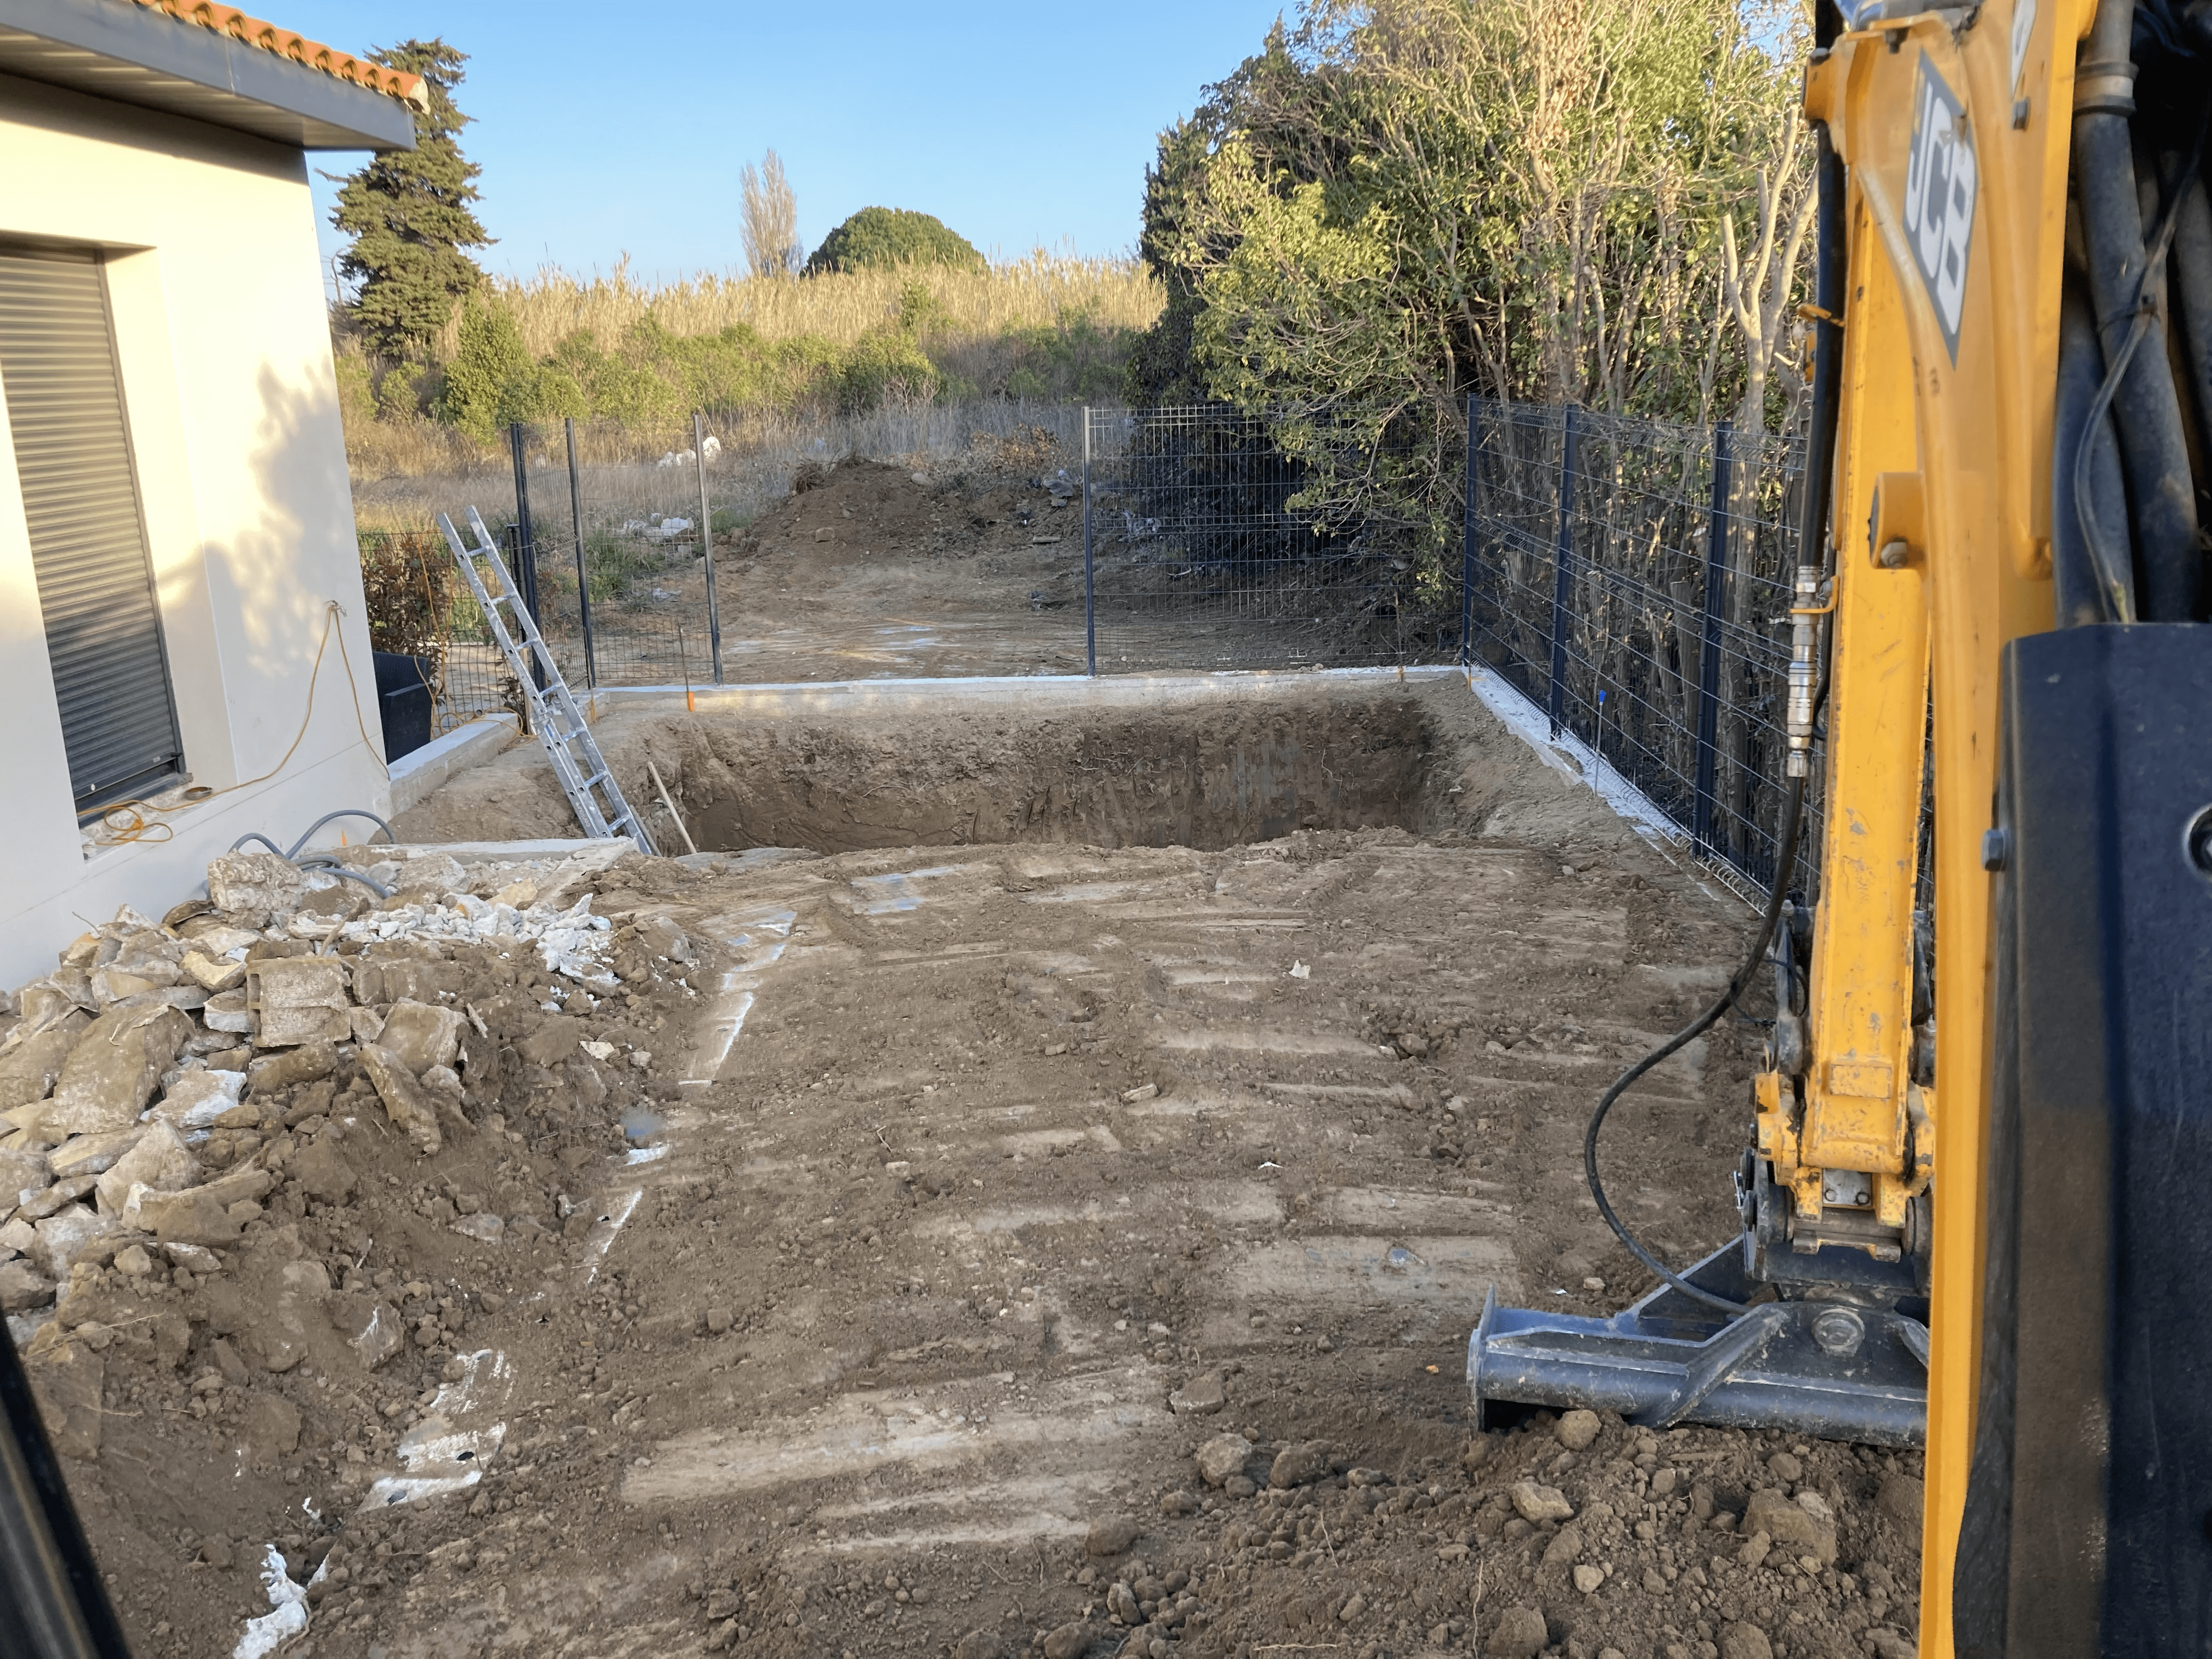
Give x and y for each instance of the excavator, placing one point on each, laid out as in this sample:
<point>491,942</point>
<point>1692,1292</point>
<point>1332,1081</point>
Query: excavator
<point>1972,1202</point>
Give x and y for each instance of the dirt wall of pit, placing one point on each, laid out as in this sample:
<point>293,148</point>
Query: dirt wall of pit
<point>1196,762</point>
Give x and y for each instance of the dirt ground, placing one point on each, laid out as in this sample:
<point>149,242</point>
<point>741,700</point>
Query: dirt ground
<point>1042,1243</point>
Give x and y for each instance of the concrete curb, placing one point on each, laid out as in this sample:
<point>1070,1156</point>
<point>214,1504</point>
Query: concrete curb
<point>415,775</point>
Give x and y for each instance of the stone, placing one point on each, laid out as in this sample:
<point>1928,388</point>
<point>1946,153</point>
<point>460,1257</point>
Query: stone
<point>1754,1550</point>
<point>200,1214</point>
<point>1068,1641</point>
<point>275,1338</point>
<point>1815,1505</point>
<point>1784,1467</point>
<point>1354,1605</point>
<point>983,1644</point>
<point>133,1259</point>
<point>93,1154</point>
<point>212,974</point>
<point>483,1227</point>
<point>1111,1535</point>
<point>75,1235</point>
<point>404,1101</point>
<point>272,1426</point>
<point>55,1199</point>
<point>296,1000</point>
<point>254,887</point>
<point>228,1361</point>
<point>1520,1634</point>
<point>1121,1604</point>
<point>193,1258</point>
<point>1802,1533</point>
<point>1745,1641</point>
<point>422,1035</point>
<point>1222,1457</point>
<point>1900,1496</point>
<point>17,1235</point>
<point>1299,1465</point>
<point>555,1041</point>
<point>22,1174</point>
<point>1537,1504</point>
<point>193,1100</point>
<point>110,1074</point>
<point>307,1062</point>
<point>31,1065</point>
<point>160,1162</point>
<point>322,1171</point>
<point>719,1320</point>
<point>1564,1549</point>
<point>1199,1397</point>
<point>227,1011</point>
<point>67,1379</point>
<point>371,1327</point>
<point>367,1023</point>
<point>1577,1430</point>
<point>22,1287</point>
<point>1890,1645</point>
<point>1177,1504</point>
<point>1588,1578</point>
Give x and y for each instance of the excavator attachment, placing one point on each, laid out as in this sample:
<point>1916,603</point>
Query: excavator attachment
<point>1840,1370</point>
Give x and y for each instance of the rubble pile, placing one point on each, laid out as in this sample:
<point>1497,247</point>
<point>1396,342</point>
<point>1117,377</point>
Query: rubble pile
<point>264,1161</point>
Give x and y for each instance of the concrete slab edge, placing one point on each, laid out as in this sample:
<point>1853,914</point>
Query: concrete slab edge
<point>415,775</point>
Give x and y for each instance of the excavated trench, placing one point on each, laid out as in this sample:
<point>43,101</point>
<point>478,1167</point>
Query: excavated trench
<point>1203,771</point>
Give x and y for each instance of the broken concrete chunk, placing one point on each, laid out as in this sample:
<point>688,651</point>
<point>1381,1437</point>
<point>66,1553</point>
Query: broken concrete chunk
<point>367,1023</point>
<point>310,1062</point>
<point>160,1161</point>
<point>296,999</point>
<point>110,1073</point>
<point>17,1234</point>
<point>30,1065</point>
<point>213,974</point>
<point>227,1012</point>
<point>404,1100</point>
<point>200,1214</point>
<point>423,1037</point>
<point>93,1154</point>
<point>197,1098</point>
<point>56,1197</point>
<point>193,1258</point>
<point>22,1176</point>
<point>22,1287</point>
<point>254,886</point>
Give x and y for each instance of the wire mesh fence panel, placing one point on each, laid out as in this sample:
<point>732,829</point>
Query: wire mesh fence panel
<point>1633,579</point>
<point>419,607</point>
<point>1203,553</point>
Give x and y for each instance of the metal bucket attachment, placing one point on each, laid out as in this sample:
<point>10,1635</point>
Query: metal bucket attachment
<point>1838,1370</point>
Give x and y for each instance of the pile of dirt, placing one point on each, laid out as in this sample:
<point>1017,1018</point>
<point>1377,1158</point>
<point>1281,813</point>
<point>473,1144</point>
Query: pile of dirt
<point>858,510</point>
<point>274,1164</point>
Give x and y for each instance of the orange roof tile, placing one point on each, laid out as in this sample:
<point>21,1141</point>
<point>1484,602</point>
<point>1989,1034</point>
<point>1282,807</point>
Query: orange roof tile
<point>228,20</point>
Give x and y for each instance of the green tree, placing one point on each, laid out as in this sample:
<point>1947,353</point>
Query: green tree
<point>409,215</point>
<point>878,236</point>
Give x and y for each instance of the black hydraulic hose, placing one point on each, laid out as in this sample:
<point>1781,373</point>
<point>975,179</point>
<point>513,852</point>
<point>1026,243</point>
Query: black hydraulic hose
<point>1793,814</point>
<point>2094,528</point>
<point>2088,591</point>
<point>2152,449</point>
<point>2191,292</point>
<point>1831,275</point>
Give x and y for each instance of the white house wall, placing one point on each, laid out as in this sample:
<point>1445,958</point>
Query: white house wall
<point>216,289</point>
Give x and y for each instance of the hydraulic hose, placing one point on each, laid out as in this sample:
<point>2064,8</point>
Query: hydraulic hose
<point>2125,291</point>
<point>2088,588</point>
<point>1830,278</point>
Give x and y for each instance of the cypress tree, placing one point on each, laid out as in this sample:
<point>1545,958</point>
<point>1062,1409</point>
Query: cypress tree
<point>410,216</point>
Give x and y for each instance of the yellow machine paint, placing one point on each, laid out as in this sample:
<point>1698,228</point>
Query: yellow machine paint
<point>1954,125</point>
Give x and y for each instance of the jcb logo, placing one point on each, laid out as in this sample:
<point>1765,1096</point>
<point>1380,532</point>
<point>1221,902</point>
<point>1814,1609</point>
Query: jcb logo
<point>1939,199</point>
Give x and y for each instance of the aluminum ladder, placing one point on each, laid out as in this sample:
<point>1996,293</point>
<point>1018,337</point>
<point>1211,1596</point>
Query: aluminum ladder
<point>584,774</point>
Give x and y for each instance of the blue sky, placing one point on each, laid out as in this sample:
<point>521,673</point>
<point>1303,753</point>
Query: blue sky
<point>604,129</point>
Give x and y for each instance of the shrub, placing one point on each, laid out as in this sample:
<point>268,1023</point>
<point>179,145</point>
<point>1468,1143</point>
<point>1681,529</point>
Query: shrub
<point>886,367</point>
<point>878,237</point>
<point>490,360</point>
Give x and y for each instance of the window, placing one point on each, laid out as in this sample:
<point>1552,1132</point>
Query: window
<point>87,537</point>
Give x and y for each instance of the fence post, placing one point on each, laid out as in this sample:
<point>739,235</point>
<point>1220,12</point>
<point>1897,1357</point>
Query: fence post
<point>1563,576</point>
<point>1089,596</point>
<point>1709,653</point>
<point>707,543</point>
<point>1467,549</point>
<point>583,575</point>
<point>525,548</point>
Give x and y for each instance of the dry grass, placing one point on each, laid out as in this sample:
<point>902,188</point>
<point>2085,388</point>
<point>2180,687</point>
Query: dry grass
<point>1042,290</point>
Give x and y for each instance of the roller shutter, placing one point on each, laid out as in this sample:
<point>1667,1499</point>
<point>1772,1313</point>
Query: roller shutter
<point>87,538</point>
